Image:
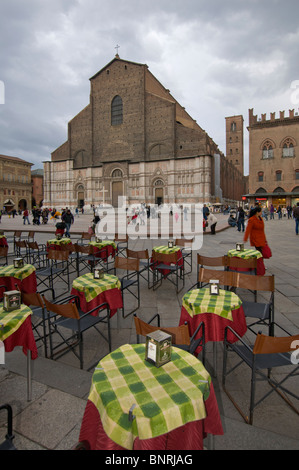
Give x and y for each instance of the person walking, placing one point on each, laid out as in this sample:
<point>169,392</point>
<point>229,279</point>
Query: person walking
<point>68,219</point>
<point>212,221</point>
<point>241,220</point>
<point>26,216</point>
<point>255,229</point>
<point>296,217</point>
<point>272,210</point>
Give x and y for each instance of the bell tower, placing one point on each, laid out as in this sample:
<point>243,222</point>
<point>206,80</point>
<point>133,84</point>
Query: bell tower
<point>234,141</point>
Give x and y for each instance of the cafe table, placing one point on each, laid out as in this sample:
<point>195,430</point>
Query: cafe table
<point>16,330</point>
<point>134,405</point>
<point>93,292</point>
<point>164,249</point>
<point>249,254</point>
<point>104,249</point>
<point>24,278</point>
<point>58,244</point>
<point>217,311</point>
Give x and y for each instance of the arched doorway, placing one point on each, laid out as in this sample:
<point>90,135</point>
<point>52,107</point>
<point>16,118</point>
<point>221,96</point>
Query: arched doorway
<point>80,196</point>
<point>159,192</point>
<point>117,186</point>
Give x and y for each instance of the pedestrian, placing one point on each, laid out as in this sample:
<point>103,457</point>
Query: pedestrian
<point>272,210</point>
<point>255,229</point>
<point>279,212</point>
<point>68,219</point>
<point>212,221</point>
<point>26,216</point>
<point>241,220</point>
<point>296,217</point>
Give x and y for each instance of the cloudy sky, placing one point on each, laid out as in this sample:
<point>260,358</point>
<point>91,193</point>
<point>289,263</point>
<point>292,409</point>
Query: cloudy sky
<point>218,58</point>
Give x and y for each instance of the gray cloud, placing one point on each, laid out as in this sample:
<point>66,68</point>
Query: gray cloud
<point>217,58</point>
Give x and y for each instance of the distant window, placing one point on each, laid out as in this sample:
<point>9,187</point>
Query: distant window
<point>233,127</point>
<point>297,174</point>
<point>288,149</point>
<point>117,174</point>
<point>268,151</point>
<point>260,176</point>
<point>278,175</point>
<point>116,111</point>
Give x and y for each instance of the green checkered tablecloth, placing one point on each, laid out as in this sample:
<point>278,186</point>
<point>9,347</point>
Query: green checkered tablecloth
<point>165,249</point>
<point>245,254</point>
<point>18,273</point>
<point>161,399</point>
<point>11,321</point>
<point>62,241</point>
<point>93,287</point>
<point>199,301</point>
<point>103,243</point>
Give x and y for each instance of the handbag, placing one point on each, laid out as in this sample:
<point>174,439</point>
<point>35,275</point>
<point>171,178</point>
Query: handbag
<point>266,252</point>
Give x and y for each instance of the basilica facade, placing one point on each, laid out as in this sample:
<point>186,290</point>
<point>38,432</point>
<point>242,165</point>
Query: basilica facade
<point>134,140</point>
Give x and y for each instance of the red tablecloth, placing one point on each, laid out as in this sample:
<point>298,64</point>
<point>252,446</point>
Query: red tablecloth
<point>215,325</point>
<point>24,337</point>
<point>187,437</point>
<point>104,252</point>
<point>27,285</point>
<point>3,241</point>
<point>112,297</point>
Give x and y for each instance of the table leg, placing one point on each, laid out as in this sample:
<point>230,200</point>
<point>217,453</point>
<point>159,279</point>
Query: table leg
<point>29,377</point>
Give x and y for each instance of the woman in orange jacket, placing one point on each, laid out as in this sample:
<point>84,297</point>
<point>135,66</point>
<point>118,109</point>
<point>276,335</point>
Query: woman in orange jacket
<point>255,229</point>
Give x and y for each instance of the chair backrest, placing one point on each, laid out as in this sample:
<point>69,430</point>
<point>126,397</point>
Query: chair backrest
<point>33,245</point>
<point>31,234</point>
<point>171,258</point>
<point>226,278</point>
<point>33,298</point>
<point>18,233</point>
<point>211,261</point>
<point>68,310</point>
<point>258,283</point>
<point>184,242</point>
<point>140,254</point>
<point>273,344</point>
<point>3,250</point>
<point>83,248</point>
<point>86,236</point>
<point>21,244</point>
<point>58,255</point>
<point>130,264</point>
<point>241,263</point>
<point>121,238</point>
<point>179,334</point>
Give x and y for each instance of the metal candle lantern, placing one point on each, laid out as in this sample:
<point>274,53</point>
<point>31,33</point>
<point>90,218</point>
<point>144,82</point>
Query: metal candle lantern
<point>214,286</point>
<point>11,300</point>
<point>170,244</point>
<point>158,348</point>
<point>240,246</point>
<point>98,273</point>
<point>18,263</point>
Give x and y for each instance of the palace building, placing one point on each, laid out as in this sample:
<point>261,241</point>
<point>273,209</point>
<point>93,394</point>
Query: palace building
<point>274,159</point>
<point>134,139</point>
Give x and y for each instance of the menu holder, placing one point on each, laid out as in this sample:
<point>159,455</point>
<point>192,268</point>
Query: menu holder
<point>18,263</point>
<point>98,240</point>
<point>158,348</point>
<point>11,300</point>
<point>214,286</point>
